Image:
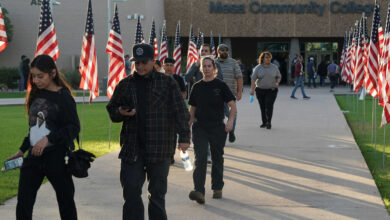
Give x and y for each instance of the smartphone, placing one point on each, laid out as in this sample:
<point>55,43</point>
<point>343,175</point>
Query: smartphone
<point>14,163</point>
<point>127,108</point>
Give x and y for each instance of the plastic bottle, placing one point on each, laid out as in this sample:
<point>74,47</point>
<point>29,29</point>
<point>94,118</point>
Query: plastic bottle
<point>185,158</point>
<point>252,98</point>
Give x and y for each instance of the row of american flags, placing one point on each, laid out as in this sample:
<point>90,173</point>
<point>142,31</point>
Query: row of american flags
<point>88,68</point>
<point>365,60</point>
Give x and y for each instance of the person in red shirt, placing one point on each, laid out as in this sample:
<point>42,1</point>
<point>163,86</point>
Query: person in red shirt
<point>299,79</point>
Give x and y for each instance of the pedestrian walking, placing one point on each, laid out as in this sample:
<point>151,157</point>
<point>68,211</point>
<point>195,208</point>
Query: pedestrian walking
<point>54,124</point>
<point>168,67</point>
<point>333,75</point>
<point>26,71</point>
<point>322,71</point>
<point>299,79</point>
<point>152,111</point>
<point>266,78</point>
<point>21,73</point>
<point>311,72</point>
<point>207,99</point>
<point>232,76</point>
<point>127,64</point>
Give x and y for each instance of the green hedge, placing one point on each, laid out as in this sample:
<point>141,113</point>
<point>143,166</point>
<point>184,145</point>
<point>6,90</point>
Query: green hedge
<point>73,77</point>
<point>9,77</point>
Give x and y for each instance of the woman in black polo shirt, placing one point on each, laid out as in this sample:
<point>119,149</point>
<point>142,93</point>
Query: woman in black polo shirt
<point>206,102</point>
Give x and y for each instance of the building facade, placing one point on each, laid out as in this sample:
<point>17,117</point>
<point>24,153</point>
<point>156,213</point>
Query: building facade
<point>283,27</point>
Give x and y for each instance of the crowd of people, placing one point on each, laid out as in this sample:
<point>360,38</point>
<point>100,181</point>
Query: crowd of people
<point>150,104</point>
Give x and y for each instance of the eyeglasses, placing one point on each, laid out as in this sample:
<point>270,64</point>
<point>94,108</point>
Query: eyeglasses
<point>223,50</point>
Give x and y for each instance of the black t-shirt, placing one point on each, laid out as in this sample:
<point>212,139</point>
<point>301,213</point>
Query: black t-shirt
<point>209,99</point>
<point>180,82</point>
<point>141,83</point>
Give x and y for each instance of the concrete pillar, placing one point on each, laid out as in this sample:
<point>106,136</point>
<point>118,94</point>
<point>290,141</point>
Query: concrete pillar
<point>294,49</point>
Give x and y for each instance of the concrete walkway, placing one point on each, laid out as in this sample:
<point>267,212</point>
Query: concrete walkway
<point>307,167</point>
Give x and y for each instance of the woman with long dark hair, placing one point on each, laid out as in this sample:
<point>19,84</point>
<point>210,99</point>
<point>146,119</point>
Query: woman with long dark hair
<point>54,124</point>
<point>266,78</point>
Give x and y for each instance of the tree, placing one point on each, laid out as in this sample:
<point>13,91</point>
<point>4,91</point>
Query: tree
<point>8,25</point>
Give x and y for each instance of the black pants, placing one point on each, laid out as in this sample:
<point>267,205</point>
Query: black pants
<point>51,165</point>
<point>203,135</point>
<point>266,98</point>
<point>132,178</point>
<point>333,80</point>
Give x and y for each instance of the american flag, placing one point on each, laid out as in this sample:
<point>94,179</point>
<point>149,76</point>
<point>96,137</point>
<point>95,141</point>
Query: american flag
<point>153,39</point>
<point>384,53</point>
<point>373,56</point>
<point>212,45</point>
<point>348,61</point>
<point>47,40</point>
<point>139,38</point>
<point>3,34</point>
<point>163,44</point>
<point>346,71</point>
<point>342,59</point>
<point>353,50</point>
<point>385,74</point>
<point>116,70</point>
<point>359,65</point>
<point>199,42</point>
<point>177,51</point>
<point>192,55</point>
<point>88,64</point>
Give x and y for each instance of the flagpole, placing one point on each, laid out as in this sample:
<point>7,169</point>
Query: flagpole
<point>384,146</point>
<point>364,111</point>
<point>372,119</point>
<point>375,128</point>
<point>82,121</point>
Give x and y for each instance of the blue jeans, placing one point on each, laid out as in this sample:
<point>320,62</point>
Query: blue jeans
<point>311,79</point>
<point>299,82</point>
<point>227,113</point>
<point>322,80</point>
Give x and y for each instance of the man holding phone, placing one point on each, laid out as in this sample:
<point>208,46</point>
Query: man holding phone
<point>152,110</point>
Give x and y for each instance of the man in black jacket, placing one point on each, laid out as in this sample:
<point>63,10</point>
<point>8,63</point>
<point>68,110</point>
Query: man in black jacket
<point>152,110</point>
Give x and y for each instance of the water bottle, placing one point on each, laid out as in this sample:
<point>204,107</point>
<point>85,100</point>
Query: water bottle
<point>185,158</point>
<point>12,164</point>
<point>251,100</point>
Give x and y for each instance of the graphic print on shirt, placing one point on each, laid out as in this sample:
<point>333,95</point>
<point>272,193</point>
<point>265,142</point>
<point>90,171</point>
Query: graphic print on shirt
<point>39,112</point>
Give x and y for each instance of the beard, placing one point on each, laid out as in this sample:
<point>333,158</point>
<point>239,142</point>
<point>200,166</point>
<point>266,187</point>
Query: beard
<point>223,56</point>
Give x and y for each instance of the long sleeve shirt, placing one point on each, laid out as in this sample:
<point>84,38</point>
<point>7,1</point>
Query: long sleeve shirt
<point>166,115</point>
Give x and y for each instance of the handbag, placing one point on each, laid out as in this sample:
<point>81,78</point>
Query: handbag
<point>78,162</point>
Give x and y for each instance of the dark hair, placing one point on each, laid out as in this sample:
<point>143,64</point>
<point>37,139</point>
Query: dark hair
<point>212,61</point>
<point>158,63</point>
<point>22,57</point>
<point>169,60</point>
<point>127,56</point>
<point>45,64</point>
<point>206,45</point>
<point>261,57</point>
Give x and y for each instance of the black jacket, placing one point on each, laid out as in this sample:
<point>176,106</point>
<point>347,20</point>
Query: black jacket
<point>166,115</point>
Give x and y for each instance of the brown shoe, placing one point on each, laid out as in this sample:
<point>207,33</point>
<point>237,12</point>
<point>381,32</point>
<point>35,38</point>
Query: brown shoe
<point>217,194</point>
<point>197,196</point>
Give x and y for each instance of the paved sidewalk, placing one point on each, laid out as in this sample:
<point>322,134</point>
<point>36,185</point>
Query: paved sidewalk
<point>307,167</point>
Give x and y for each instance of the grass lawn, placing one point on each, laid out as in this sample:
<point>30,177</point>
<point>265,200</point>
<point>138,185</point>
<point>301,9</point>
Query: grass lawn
<point>9,95</point>
<point>14,127</point>
<point>363,137</point>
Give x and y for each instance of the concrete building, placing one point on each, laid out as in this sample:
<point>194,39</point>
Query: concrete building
<point>284,27</point>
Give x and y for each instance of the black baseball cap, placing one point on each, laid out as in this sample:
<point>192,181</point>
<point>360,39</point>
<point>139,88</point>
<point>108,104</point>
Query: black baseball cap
<point>169,60</point>
<point>142,52</point>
